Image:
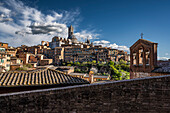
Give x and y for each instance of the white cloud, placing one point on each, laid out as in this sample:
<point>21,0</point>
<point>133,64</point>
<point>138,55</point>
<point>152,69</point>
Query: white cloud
<point>4,14</point>
<point>105,43</point>
<point>84,34</point>
<point>166,54</point>
<point>45,28</point>
<point>4,10</point>
<point>115,46</point>
<point>101,42</point>
<point>27,25</point>
<point>163,58</point>
<point>4,18</point>
<point>54,17</point>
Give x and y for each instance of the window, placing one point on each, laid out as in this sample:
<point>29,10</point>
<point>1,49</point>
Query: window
<point>147,57</point>
<point>2,49</point>
<point>134,58</point>
<point>2,61</point>
<point>141,56</point>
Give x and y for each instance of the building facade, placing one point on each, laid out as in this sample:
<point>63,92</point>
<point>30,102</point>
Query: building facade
<point>143,60</point>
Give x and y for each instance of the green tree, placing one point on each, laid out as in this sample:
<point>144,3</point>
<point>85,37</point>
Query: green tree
<point>111,63</point>
<point>88,62</point>
<point>122,62</point>
<point>76,63</point>
<point>84,63</point>
<point>68,64</point>
<point>115,73</point>
<point>125,67</point>
<point>71,63</point>
<point>94,62</point>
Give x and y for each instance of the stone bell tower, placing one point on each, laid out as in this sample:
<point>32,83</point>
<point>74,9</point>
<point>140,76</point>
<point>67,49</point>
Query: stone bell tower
<point>71,35</point>
<point>70,32</point>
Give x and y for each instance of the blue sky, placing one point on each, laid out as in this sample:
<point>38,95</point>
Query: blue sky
<point>113,23</point>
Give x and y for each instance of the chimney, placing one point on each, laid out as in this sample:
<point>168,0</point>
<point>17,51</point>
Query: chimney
<point>91,76</point>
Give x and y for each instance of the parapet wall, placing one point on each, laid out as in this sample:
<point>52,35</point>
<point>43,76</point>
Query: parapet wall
<point>146,95</point>
<point>134,75</point>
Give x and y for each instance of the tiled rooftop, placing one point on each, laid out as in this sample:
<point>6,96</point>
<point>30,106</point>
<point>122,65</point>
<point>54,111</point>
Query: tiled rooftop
<point>164,67</point>
<point>37,78</point>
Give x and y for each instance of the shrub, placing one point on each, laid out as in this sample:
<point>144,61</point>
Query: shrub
<point>64,64</point>
<point>28,65</point>
<point>21,69</point>
<point>77,70</point>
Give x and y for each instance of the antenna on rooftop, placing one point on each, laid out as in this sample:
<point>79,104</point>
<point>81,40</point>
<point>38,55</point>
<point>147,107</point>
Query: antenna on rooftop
<point>141,35</point>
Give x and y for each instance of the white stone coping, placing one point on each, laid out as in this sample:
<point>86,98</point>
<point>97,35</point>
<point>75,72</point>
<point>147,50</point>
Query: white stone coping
<point>97,76</point>
<point>76,86</point>
<point>77,74</point>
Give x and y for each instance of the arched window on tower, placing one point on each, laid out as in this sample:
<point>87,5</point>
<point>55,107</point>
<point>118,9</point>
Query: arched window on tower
<point>147,57</point>
<point>134,59</point>
<point>141,56</point>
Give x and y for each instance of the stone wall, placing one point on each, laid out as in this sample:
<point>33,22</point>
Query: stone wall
<point>146,95</point>
<point>134,75</point>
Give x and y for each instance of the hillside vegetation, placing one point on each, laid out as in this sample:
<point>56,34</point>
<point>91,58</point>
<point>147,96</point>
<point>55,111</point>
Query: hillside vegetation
<point>116,70</point>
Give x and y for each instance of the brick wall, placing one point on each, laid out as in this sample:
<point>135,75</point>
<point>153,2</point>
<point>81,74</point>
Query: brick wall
<point>146,95</point>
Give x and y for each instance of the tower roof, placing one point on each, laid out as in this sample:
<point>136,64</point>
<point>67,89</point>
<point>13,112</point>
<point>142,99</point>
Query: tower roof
<point>144,41</point>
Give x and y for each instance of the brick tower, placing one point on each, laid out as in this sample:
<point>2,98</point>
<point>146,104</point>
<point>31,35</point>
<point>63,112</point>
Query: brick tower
<point>143,57</point>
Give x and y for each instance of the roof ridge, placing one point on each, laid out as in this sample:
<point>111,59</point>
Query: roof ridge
<point>147,40</point>
<point>29,71</point>
<point>65,74</point>
<point>56,70</point>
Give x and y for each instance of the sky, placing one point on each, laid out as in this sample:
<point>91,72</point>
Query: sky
<point>111,23</point>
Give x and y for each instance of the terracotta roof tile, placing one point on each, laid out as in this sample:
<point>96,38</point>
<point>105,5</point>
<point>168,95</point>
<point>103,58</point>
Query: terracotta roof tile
<point>36,78</point>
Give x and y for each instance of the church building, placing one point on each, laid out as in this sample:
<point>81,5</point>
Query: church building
<point>143,60</point>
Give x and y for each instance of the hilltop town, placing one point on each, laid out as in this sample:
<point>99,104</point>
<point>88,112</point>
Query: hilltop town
<point>68,56</point>
<point>58,51</point>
